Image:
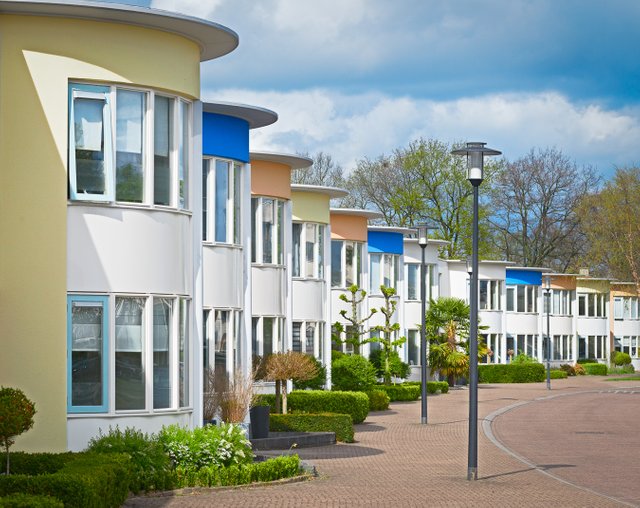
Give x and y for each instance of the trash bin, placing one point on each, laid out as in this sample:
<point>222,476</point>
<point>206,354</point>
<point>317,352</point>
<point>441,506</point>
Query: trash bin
<point>259,416</point>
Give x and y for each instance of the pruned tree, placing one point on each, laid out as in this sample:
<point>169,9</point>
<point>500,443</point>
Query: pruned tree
<point>534,209</point>
<point>388,331</point>
<point>16,417</point>
<point>291,365</point>
<point>610,220</point>
<point>354,332</point>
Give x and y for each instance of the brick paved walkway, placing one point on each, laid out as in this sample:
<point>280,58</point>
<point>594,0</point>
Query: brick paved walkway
<point>579,437</point>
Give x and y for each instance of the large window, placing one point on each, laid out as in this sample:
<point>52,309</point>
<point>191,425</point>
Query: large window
<point>592,304</point>
<point>625,307</point>
<point>221,201</point>
<point>308,338</point>
<point>522,298</point>
<point>413,281</point>
<point>493,341</point>
<point>308,250</point>
<point>490,293</point>
<point>116,154</point>
<point>522,344</point>
<point>413,347</point>
<point>150,335</point>
<point>221,334</point>
<point>592,347</point>
<point>268,334</point>
<point>268,231</point>
<point>561,347</point>
<point>383,271</point>
<point>629,344</point>
<point>560,302</point>
<point>346,263</point>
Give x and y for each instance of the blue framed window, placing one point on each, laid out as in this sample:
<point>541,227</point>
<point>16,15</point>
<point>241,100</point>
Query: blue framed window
<point>87,358</point>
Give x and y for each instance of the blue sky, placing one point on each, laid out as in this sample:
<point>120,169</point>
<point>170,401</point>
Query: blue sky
<point>358,78</point>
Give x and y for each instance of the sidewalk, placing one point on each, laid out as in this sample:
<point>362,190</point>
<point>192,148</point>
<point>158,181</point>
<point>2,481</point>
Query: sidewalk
<point>589,440</point>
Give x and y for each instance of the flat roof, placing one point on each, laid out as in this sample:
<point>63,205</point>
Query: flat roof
<point>256,116</point>
<point>333,192</point>
<point>392,229</point>
<point>214,40</point>
<point>293,161</point>
<point>358,212</point>
<point>483,261</point>
<point>531,269</point>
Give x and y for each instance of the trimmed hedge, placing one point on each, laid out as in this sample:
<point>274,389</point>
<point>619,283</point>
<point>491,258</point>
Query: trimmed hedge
<point>402,392</point>
<point>433,387</point>
<point>30,501</point>
<point>355,404</point>
<point>559,374</point>
<point>378,400</point>
<point>217,476</point>
<point>341,424</point>
<point>595,369</point>
<point>511,373</point>
<point>89,481</point>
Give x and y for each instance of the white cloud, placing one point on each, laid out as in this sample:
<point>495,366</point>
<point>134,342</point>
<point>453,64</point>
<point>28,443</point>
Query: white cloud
<point>205,9</point>
<point>351,127</point>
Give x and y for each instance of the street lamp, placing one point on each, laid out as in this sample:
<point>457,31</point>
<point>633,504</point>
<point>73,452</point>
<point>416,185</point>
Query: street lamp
<point>423,232</point>
<point>475,153</point>
<point>547,291</point>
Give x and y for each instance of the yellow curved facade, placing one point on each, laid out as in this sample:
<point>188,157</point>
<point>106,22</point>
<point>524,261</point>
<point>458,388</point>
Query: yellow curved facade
<point>310,207</point>
<point>38,57</point>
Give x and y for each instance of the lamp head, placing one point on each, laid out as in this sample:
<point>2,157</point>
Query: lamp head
<point>475,152</point>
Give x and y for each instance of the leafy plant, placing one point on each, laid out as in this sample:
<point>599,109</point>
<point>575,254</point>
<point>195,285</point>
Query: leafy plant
<point>355,330</point>
<point>619,359</point>
<point>386,340</point>
<point>399,369</point>
<point>16,416</point>
<point>569,369</point>
<point>21,500</point>
<point>579,370</point>
<point>353,373</point>
<point>595,369</point>
<point>290,365</point>
<point>625,369</point>
<point>315,383</point>
<point>523,358</point>
<point>378,400</point>
<point>558,374</point>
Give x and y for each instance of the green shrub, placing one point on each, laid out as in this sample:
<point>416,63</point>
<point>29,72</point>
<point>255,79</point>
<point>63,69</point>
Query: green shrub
<point>316,383</point>
<point>30,501</point>
<point>523,358</point>
<point>558,374</point>
<point>90,480</point>
<point>341,424</point>
<point>353,373</point>
<point>582,361</point>
<point>355,404</point>
<point>433,387</point>
<point>378,400</point>
<point>511,373</point>
<point>595,369</point>
<point>620,359</point>
<point>38,463</point>
<point>16,417</point>
<point>215,476</point>
<point>399,369</point>
<point>625,369</point>
<point>151,464</point>
<point>401,392</point>
<point>223,445</point>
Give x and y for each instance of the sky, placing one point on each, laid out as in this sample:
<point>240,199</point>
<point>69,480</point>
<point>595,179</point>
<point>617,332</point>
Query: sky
<point>359,78</point>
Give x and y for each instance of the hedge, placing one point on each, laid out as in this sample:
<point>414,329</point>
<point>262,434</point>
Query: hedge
<point>30,501</point>
<point>559,374</point>
<point>595,369</point>
<point>619,359</point>
<point>378,400</point>
<point>511,373</point>
<point>401,392</point>
<point>433,387</point>
<point>88,481</point>
<point>355,404</point>
<point>341,424</point>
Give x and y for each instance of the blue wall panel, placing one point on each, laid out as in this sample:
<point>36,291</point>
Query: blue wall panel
<point>385,241</point>
<point>524,277</point>
<point>225,136</point>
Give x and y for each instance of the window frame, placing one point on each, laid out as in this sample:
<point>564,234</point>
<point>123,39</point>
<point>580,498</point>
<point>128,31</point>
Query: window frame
<point>300,256</point>
<point>277,244</point>
<point>388,268</point>
<point>527,294</point>
<point>233,204</point>
<point>493,294</point>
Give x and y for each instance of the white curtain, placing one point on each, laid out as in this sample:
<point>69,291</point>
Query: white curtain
<point>88,117</point>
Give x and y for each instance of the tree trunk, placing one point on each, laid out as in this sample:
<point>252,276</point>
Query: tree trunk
<point>278,384</point>
<point>284,398</point>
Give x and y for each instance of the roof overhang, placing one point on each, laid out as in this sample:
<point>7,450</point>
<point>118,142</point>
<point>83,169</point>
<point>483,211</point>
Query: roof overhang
<point>254,115</point>
<point>293,161</point>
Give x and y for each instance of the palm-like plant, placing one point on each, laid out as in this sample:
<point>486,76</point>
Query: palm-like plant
<point>447,329</point>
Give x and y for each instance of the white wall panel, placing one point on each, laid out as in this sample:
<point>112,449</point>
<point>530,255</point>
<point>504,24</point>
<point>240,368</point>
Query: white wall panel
<point>268,290</point>
<point>308,300</point>
<point>223,276</point>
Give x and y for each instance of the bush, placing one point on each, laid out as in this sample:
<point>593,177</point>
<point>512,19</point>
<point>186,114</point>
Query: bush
<point>30,501</point>
<point>16,416</point>
<point>89,480</point>
<point>378,400</point>
<point>353,373</point>
<point>579,370</point>
<point>399,369</point>
<point>401,392</point>
<point>224,445</point>
<point>316,383</point>
<point>150,463</point>
<point>341,424</point>
<point>511,373</point>
<point>558,374</point>
<point>620,359</point>
<point>216,476</point>
<point>625,369</point>
<point>355,404</point>
<point>523,358</point>
<point>39,463</point>
<point>595,369</point>
<point>582,361</point>
<point>569,369</point>
<point>433,387</point>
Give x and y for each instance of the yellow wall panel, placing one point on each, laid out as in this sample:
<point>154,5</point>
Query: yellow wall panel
<point>310,207</point>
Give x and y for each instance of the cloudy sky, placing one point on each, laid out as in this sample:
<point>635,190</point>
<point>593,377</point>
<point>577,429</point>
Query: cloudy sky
<point>358,78</point>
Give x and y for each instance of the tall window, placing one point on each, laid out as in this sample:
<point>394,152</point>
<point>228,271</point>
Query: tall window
<point>111,160</point>
<point>629,344</point>
<point>561,348</point>
<point>346,263</point>
<point>222,327</point>
<point>221,201</point>
<point>493,342</point>
<point>592,304</point>
<point>383,271</point>
<point>490,292</point>
<point>162,338</point>
<point>130,338</point>
<point>268,335</point>
<point>625,307</point>
<point>592,347</point>
<point>268,233</point>
<point>522,298</point>
<point>183,352</point>
<point>413,347</point>
<point>560,302</point>
<point>308,250</point>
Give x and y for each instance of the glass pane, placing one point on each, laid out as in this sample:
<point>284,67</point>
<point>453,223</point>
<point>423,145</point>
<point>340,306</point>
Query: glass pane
<point>349,278</point>
<point>222,199</point>
<point>162,335</point>
<point>268,226</point>
<point>374,273</point>
<point>205,194</point>
<point>310,246</point>
<point>387,270</point>
<point>358,263</point>
<point>592,305</point>
<point>221,333</point>
<point>267,336</point>
<point>311,334</point>
<point>484,294</point>
<point>89,145</point>
<point>521,307</point>
<point>414,347</point>
<point>511,299</point>
<point>163,141</point>
<point>296,343</point>
<point>183,154</point>
<point>130,109</point>
<point>254,232</point>
<point>412,281</point>
<point>183,352</point>
<point>336,263</point>
<point>237,201</point>
<point>130,386</point>
<point>297,232</point>
<point>87,327</point>
<point>320,260</point>
<point>280,232</point>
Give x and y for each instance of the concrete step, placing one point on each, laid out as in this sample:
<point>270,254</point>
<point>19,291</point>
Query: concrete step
<point>285,440</point>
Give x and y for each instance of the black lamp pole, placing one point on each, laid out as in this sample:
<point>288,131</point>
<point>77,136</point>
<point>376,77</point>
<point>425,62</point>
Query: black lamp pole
<point>475,153</point>
<point>548,348</point>
<point>423,230</point>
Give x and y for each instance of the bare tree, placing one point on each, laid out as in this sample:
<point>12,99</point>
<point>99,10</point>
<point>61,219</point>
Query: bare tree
<point>534,203</point>
<point>324,171</point>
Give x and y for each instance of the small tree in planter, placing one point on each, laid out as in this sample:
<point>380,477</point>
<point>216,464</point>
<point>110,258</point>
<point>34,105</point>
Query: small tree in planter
<point>387,330</point>
<point>290,365</point>
<point>16,416</point>
<point>354,331</point>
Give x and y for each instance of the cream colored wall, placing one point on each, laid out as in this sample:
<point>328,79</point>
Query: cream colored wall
<point>310,207</point>
<point>38,57</point>
<point>592,286</point>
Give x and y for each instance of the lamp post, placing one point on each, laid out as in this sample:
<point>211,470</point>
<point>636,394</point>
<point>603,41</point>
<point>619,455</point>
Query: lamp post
<point>423,231</point>
<point>475,153</point>
<point>547,291</point>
